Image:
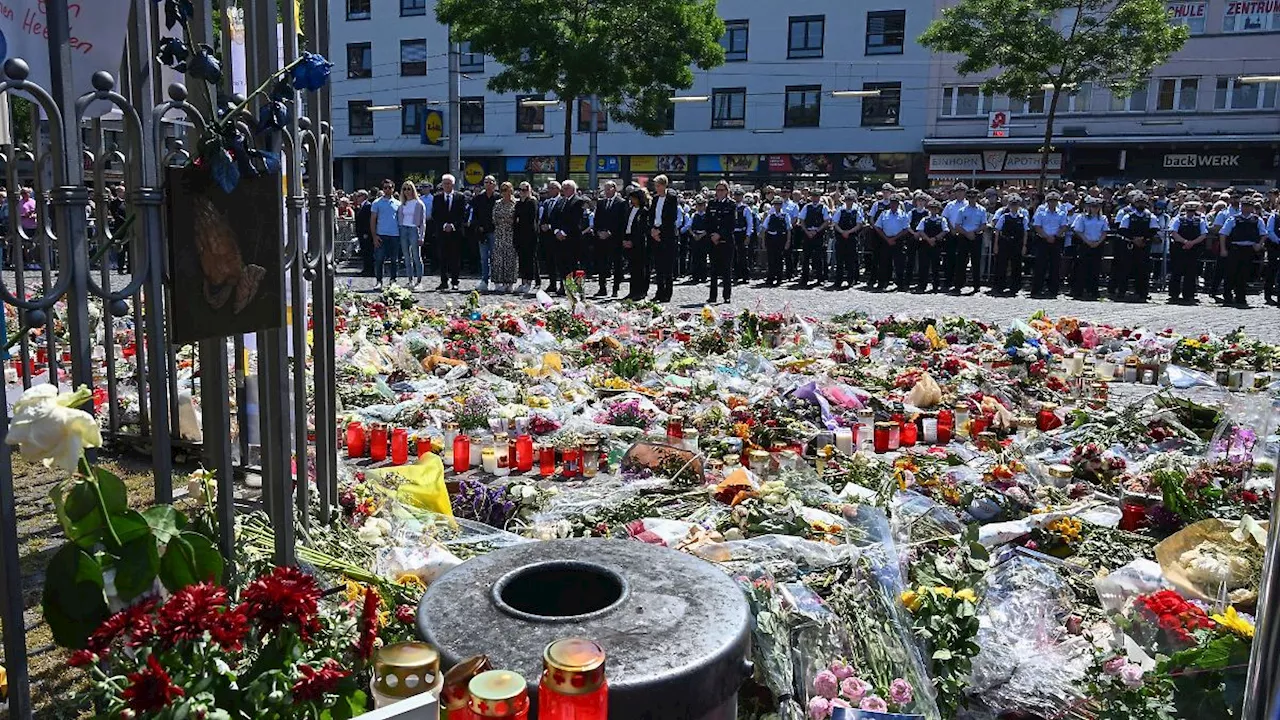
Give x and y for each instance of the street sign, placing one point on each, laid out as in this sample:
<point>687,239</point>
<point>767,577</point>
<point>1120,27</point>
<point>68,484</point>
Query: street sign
<point>998,124</point>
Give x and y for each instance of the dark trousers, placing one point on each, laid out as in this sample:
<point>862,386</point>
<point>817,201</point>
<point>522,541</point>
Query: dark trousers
<point>968,251</point>
<point>366,254</point>
<point>388,249</point>
<point>638,260</point>
<point>792,256</point>
<point>950,249</point>
<point>928,266</point>
<point>664,262</point>
<point>1135,266</point>
<point>697,265</point>
<point>1238,265</point>
<point>907,268</point>
<point>815,258</point>
<point>1048,264</point>
<point>741,257</point>
<point>450,257</point>
<point>569,256</point>
<point>527,258</point>
<point>609,262</point>
<point>1184,271</point>
<point>846,260</point>
<point>1272,270</point>
<point>1088,268</point>
<point>722,254</point>
<point>1217,264</point>
<point>889,264</point>
<point>547,252</point>
<point>773,248</point>
<point>1006,276</point>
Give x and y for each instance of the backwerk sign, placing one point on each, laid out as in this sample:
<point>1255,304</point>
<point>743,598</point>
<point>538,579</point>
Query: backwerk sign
<point>1235,163</point>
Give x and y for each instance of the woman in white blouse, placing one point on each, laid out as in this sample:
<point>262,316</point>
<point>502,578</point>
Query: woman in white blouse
<point>412,218</point>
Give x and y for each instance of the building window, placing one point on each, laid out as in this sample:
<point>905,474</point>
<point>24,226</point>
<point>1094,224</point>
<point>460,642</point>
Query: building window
<point>735,40</point>
<point>964,101</point>
<point>470,62</point>
<point>886,32</point>
<point>412,113</point>
<point>359,60</point>
<point>584,117</point>
<point>804,39</point>
<point>471,115</point>
<point>409,8</point>
<point>359,117</point>
<point>729,108</point>
<point>882,110</point>
<point>530,118</point>
<point>1177,94</point>
<point>669,118</point>
<point>413,57</point>
<point>1137,102</point>
<point>1243,17</point>
<point>1232,95</point>
<point>358,9</point>
<point>804,106</point>
<point>1075,101</point>
<point>1191,14</point>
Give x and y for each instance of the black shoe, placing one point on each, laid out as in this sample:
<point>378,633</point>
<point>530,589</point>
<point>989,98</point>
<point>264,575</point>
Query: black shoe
<point>442,286</point>
<point>712,300</point>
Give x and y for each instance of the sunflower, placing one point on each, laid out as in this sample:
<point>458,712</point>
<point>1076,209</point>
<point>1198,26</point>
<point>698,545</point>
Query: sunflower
<point>1235,622</point>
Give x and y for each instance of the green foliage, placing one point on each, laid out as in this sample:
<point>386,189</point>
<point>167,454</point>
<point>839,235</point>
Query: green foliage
<point>631,54</point>
<point>1209,677</point>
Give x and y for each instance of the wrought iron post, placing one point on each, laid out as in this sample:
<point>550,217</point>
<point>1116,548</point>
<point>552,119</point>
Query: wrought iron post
<point>1263,680</point>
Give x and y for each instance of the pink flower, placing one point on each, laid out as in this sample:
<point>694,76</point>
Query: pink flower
<point>854,688</point>
<point>874,704</point>
<point>1113,666</point>
<point>819,708</point>
<point>900,691</point>
<point>841,670</point>
<point>840,703</point>
<point>1131,675</point>
<point>825,684</point>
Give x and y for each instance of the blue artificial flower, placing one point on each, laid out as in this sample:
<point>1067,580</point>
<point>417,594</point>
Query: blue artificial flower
<point>311,72</point>
<point>225,172</point>
<point>176,11</point>
<point>204,65</point>
<point>273,116</point>
<point>173,53</point>
<point>1013,351</point>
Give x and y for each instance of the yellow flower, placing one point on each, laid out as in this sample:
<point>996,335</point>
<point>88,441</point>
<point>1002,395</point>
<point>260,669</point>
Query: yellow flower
<point>943,590</point>
<point>411,582</point>
<point>1232,621</point>
<point>910,600</point>
<point>967,594</point>
<point>355,591</point>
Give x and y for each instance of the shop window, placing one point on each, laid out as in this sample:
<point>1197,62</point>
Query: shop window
<point>413,57</point>
<point>734,40</point>
<point>1233,95</point>
<point>1177,94</point>
<point>1244,17</point>
<point>470,62</point>
<point>1135,102</point>
<point>886,32</point>
<point>882,110</point>
<point>530,118</point>
<point>471,115</point>
<point>411,114</point>
<point>729,108</point>
<point>804,106</point>
<point>410,8</point>
<point>584,117</point>
<point>359,60</point>
<point>359,9</point>
<point>964,101</point>
<point>804,37</point>
<point>360,117</point>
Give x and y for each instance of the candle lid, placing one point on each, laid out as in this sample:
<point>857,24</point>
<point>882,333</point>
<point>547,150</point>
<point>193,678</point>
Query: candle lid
<point>574,666</point>
<point>1050,406</point>
<point>1060,471</point>
<point>498,693</point>
<point>459,676</point>
<point>405,669</point>
<point>759,455</point>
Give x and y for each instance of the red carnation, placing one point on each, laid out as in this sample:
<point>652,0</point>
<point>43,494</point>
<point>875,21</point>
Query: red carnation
<point>368,624</point>
<point>133,622</point>
<point>315,683</point>
<point>406,614</point>
<point>230,630</point>
<point>284,596</point>
<point>189,613</point>
<point>82,658</point>
<point>151,689</point>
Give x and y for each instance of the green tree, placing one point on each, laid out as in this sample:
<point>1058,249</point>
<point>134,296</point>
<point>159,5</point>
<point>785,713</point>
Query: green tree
<point>1056,45</point>
<point>631,54</point>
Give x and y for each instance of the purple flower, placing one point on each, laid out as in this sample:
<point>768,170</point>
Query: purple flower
<point>900,692</point>
<point>819,708</point>
<point>826,684</point>
<point>1131,675</point>
<point>854,689</point>
<point>874,704</point>
<point>841,670</point>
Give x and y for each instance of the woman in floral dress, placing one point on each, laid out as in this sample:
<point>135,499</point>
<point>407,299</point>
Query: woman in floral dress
<point>502,271</point>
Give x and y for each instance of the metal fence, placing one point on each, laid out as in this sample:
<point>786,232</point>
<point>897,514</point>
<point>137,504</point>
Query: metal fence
<point>73,326</point>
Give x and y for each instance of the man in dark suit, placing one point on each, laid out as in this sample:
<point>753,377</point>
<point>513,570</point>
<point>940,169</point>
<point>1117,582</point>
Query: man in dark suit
<point>448,216</point>
<point>549,214</point>
<point>363,210</point>
<point>610,222</point>
<point>663,237</point>
<point>567,227</point>
<point>721,214</point>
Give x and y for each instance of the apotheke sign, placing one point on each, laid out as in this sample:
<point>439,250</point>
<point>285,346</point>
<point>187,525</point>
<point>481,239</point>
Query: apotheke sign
<point>1196,160</point>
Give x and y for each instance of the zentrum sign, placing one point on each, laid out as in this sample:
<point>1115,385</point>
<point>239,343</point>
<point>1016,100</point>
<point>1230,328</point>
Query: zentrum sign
<point>1195,160</point>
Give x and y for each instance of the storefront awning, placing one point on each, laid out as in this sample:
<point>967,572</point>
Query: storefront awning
<point>1024,142</point>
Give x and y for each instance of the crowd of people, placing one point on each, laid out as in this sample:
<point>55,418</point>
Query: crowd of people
<point>1085,241</point>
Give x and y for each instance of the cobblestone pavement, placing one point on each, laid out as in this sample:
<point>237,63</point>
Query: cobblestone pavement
<point>1262,321</point>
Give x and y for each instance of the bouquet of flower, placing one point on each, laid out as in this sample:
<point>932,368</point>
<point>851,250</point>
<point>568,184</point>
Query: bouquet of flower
<point>473,412</point>
<point>627,413</point>
<point>840,687</point>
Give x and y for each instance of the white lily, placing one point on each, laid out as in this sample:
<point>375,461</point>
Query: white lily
<point>48,427</point>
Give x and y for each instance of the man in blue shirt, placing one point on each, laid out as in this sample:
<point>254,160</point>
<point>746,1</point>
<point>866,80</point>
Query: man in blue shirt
<point>1243,235</point>
<point>384,223</point>
<point>1139,228</point>
<point>893,225</point>
<point>1050,223</point>
<point>1272,280</point>
<point>1090,231</point>
<point>971,219</point>
<point>1187,235</point>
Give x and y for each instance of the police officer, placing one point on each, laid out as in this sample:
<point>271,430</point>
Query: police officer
<point>931,232</point>
<point>698,240</point>
<point>1273,255</point>
<point>1187,234</point>
<point>872,245</point>
<point>1139,228</point>
<point>777,228</point>
<point>814,218</point>
<point>1050,224</point>
<point>1090,231</point>
<point>970,222</point>
<point>951,213</point>
<point>720,228</point>
<point>744,226</point>
<point>1243,235</point>
<point>919,211</point>
<point>848,222</point>
<point>792,208</point>
<point>892,226</point>
<point>1012,225</point>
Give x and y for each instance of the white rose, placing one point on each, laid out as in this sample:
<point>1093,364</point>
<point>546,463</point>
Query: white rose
<point>47,427</point>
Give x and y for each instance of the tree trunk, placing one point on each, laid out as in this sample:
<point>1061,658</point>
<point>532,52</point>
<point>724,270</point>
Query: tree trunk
<point>568,135</point>
<point>1048,135</point>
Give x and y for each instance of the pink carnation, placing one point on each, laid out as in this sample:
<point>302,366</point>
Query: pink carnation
<point>819,708</point>
<point>854,688</point>
<point>874,704</point>
<point>900,691</point>
<point>826,685</point>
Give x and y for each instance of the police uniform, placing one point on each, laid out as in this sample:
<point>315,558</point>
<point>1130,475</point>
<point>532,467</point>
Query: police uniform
<point>933,229</point>
<point>1048,260</point>
<point>744,226</point>
<point>1090,232</point>
<point>814,219</point>
<point>972,217</point>
<point>1243,235</point>
<point>795,238</point>
<point>698,245</point>
<point>776,229</point>
<point>720,221</point>
<point>1139,228</point>
<point>846,219</point>
<point>1184,262</point>
<point>1011,229</point>
<point>1273,256</point>
<point>910,256</point>
<point>1217,246</point>
<point>891,223</point>
<point>951,213</point>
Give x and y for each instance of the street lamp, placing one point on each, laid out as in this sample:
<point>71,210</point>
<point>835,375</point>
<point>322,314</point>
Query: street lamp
<point>1257,79</point>
<point>689,98</point>
<point>530,102</point>
<point>855,93</point>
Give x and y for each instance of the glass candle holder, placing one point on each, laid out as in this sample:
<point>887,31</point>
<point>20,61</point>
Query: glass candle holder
<point>399,446</point>
<point>524,453</point>
<point>572,462</point>
<point>590,458</point>
<point>378,442</point>
<point>355,440</point>
<point>895,436</point>
<point>547,460</point>
<point>1047,418</point>
<point>929,428</point>
<point>489,459</point>
<point>423,445</point>
<point>944,433</point>
<point>446,448</point>
<point>881,439</point>
<point>907,435</point>
<point>573,684</point>
<point>461,454</point>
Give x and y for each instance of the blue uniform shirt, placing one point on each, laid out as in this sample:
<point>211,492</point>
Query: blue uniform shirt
<point>892,222</point>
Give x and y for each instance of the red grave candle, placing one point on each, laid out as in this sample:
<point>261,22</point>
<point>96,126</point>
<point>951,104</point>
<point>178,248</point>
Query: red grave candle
<point>573,685</point>
<point>355,440</point>
<point>907,436</point>
<point>524,454</point>
<point>399,446</point>
<point>461,454</point>
<point>547,460</point>
<point>881,437</point>
<point>378,442</point>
